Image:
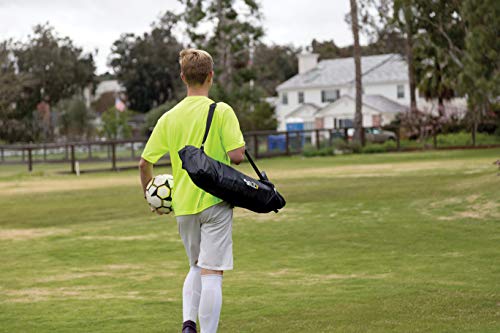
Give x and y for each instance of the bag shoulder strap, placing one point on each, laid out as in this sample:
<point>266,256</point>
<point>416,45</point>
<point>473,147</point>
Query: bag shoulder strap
<point>210,117</point>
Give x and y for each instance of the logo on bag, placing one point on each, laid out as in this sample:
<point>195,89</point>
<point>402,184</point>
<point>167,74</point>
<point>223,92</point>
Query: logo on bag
<point>251,184</point>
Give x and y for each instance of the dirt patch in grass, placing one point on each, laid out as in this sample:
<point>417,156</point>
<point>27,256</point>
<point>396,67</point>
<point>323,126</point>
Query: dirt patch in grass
<point>472,207</point>
<point>34,186</point>
<point>31,295</point>
<point>287,276</point>
<point>384,169</point>
<point>27,234</point>
<point>122,238</point>
<point>122,271</point>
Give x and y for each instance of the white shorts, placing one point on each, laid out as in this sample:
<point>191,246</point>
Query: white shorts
<point>207,237</point>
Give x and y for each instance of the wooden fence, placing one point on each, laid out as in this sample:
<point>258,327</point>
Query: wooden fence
<point>124,154</point>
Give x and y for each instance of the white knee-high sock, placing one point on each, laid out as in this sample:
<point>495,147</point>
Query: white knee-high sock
<point>191,293</point>
<point>210,303</point>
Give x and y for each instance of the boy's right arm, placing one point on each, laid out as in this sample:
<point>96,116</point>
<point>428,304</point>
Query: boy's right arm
<point>236,155</point>
<point>232,138</point>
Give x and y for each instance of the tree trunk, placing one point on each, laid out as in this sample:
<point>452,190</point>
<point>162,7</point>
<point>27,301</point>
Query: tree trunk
<point>474,132</point>
<point>224,48</point>
<point>358,116</point>
<point>221,43</point>
<point>441,107</point>
<point>411,66</point>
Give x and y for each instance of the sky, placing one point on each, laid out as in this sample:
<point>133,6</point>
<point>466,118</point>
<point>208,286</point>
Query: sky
<point>96,24</point>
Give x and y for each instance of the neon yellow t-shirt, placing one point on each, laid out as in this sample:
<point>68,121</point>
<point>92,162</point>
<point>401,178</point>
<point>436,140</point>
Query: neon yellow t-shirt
<point>185,125</point>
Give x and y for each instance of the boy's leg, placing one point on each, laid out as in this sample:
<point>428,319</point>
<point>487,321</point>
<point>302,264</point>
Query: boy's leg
<point>216,256</point>
<point>191,293</point>
<point>190,232</point>
<point>211,300</point>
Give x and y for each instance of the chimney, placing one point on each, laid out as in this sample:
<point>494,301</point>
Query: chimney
<point>307,61</point>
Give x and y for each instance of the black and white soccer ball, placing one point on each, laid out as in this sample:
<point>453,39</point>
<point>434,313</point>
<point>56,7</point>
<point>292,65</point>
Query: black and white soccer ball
<point>159,193</point>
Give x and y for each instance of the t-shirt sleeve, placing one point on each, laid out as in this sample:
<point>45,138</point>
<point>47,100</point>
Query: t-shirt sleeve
<point>231,135</point>
<point>157,145</point>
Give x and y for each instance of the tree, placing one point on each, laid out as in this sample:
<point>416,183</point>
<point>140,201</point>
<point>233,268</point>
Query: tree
<point>358,115</point>
<point>274,64</point>
<point>234,34</point>
<point>148,66</point>
<point>12,122</point>
<point>75,120</point>
<point>437,70</point>
<point>405,20</point>
<point>115,124</point>
<point>56,68</point>
<point>480,78</point>
<point>236,29</point>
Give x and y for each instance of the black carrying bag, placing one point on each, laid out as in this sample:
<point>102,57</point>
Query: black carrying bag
<point>227,183</point>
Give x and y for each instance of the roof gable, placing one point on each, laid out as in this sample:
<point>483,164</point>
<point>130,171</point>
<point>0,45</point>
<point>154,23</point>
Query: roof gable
<point>338,72</point>
<point>305,110</point>
<point>377,103</point>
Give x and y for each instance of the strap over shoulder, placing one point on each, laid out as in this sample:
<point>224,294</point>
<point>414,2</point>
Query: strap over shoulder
<point>210,117</point>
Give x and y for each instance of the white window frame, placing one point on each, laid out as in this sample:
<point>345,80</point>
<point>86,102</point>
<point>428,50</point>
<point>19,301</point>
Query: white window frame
<point>301,97</point>
<point>284,98</point>
<point>400,91</point>
<point>324,99</point>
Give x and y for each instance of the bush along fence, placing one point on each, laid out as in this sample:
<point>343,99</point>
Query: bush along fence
<point>124,154</point>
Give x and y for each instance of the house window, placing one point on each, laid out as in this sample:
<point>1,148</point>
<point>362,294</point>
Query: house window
<point>329,95</point>
<point>346,123</point>
<point>284,98</point>
<point>301,97</point>
<point>401,91</point>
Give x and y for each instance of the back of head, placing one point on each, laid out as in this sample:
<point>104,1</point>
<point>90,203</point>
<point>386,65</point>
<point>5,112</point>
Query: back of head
<point>196,65</point>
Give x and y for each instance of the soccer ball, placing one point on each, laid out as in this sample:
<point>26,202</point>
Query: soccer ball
<point>159,193</point>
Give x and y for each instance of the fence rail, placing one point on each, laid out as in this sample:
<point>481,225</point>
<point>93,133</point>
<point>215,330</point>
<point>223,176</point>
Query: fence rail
<point>118,152</point>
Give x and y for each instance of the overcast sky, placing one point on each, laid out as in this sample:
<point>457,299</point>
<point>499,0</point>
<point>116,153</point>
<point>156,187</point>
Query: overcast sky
<point>96,24</point>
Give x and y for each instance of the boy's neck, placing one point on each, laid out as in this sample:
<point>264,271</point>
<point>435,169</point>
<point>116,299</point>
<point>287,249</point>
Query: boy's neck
<point>198,91</point>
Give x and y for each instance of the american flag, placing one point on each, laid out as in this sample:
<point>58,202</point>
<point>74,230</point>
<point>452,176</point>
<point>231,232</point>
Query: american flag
<point>119,105</point>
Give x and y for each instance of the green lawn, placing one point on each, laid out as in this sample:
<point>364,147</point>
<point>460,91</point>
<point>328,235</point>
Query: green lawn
<point>406,242</point>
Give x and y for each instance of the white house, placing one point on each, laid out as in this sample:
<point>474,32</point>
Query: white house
<point>385,80</point>
<point>378,110</point>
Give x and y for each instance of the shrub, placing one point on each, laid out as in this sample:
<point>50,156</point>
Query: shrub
<point>311,151</point>
<point>464,139</point>
<point>374,148</point>
<point>347,147</point>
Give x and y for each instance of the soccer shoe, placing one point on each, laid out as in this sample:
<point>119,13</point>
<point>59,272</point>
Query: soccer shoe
<point>189,327</point>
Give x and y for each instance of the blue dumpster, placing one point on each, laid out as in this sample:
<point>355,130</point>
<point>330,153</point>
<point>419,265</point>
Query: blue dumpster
<point>297,140</point>
<point>276,142</point>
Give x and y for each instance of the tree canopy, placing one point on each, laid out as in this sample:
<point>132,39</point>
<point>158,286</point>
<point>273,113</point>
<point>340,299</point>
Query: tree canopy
<point>147,65</point>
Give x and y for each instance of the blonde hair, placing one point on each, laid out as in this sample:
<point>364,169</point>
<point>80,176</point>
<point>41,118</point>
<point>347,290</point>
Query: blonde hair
<point>195,65</point>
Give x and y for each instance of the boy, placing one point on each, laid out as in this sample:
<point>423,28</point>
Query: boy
<point>204,221</point>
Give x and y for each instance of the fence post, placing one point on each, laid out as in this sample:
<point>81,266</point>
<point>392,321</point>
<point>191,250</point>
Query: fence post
<point>330,137</point>
<point>73,160</point>
<point>24,157</point>
<point>66,152</point>
<point>89,146</point>
<point>113,156</point>
<point>255,146</point>
<point>133,149</point>
<point>30,159</point>
<point>287,136</point>
<point>44,153</point>
<point>317,138</point>
<point>398,138</point>
<point>346,136</point>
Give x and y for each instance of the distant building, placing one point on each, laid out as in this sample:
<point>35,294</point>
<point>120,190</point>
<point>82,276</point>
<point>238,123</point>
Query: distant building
<point>321,94</point>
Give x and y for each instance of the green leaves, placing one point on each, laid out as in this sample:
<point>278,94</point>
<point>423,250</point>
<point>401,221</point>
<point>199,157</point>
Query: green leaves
<point>147,65</point>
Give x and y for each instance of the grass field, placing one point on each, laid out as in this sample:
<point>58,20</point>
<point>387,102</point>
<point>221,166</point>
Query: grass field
<point>405,242</point>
